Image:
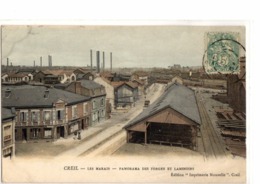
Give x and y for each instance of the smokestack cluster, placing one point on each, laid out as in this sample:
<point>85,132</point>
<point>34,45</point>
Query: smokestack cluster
<point>99,65</point>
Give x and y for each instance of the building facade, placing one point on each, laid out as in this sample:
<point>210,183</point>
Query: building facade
<point>8,135</point>
<point>97,94</point>
<point>126,94</point>
<point>173,119</point>
<point>46,113</point>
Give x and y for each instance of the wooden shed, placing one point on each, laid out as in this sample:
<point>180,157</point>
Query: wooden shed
<point>173,119</point>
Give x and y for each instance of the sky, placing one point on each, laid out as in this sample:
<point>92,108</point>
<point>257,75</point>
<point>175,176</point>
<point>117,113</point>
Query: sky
<point>132,46</point>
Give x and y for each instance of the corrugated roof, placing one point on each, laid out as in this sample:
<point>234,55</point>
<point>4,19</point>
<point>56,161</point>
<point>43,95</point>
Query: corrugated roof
<point>6,114</point>
<point>33,96</point>
<point>178,97</point>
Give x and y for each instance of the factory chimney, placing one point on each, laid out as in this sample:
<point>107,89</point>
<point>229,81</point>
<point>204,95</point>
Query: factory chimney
<point>7,61</point>
<point>110,61</point>
<point>50,60</point>
<point>91,65</point>
<point>41,61</point>
<point>103,61</point>
<point>98,62</point>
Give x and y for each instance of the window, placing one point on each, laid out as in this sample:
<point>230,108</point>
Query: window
<point>34,117</point>
<point>102,103</point>
<point>94,104</point>
<point>74,112</point>
<point>35,132</point>
<point>47,115</point>
<point>47,133</point>
<point>23,116</point>
<point>86,108</point>
<point>7,133</point>
<point>60,114</point>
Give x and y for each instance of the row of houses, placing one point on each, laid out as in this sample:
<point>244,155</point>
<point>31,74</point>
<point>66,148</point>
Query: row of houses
<point>47,76</point>
<point>50,113</point>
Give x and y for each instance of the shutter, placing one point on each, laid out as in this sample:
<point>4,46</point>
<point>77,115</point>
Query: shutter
<point>54,116</point>
<point>26,116</point>
<point>38,117</point>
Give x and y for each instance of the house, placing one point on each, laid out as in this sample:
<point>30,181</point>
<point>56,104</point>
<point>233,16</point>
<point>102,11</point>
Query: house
<point>87,76</point>
<point>18,77</point>
<point>97,94</point>
<point>39,76</point>
<point>8,132</point>
<point>126,94</point>
<point>141,87</point>
<point>46,113</point>
<point>51,79</point>
<point>27,71</point>
<point>4,77</point>
<point>141,75</point>
<point>173,119</point>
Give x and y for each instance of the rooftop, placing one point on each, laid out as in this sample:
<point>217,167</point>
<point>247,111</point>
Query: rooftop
<point>7,114</point>
<point>178,97</point>
<point>35,96</point>
<point>89,84</point>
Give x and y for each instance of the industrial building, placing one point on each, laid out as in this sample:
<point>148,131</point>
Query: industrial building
<point>173,119</point>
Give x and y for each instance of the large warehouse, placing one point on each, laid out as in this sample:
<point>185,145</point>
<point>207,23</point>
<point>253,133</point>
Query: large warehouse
<point>173,119</point>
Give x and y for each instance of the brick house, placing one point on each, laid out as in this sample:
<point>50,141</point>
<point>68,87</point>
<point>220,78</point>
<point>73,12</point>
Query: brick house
<point>46,113</point>
<point>97,94</point>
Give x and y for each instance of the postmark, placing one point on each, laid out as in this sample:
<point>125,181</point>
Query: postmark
<point>222,53</point>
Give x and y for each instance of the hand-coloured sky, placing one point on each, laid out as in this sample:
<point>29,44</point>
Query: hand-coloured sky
<point>132,46</point>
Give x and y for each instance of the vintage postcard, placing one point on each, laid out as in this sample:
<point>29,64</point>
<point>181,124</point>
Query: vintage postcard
<point>147,103</point>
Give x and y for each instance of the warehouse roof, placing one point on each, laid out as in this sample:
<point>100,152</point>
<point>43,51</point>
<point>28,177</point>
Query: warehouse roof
<point>178,97</point>
<point>37,96</point>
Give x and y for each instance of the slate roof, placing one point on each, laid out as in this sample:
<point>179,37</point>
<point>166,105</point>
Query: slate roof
<point>7,114</point>
<point>89,84</point>
<point>178,97</point>
<point>27,96</point>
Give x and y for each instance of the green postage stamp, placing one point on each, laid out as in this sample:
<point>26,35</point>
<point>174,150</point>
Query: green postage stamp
<point>221,53</point>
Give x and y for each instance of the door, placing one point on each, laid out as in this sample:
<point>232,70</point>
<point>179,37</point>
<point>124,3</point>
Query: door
<point>24,134</point>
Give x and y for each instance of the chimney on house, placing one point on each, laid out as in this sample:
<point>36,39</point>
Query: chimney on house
<point>103,61</point>
<point>78,87</point>
<point>110,61</point>
<point>91,65</point>
<point>46,93</point>
<point>7,93</point>
<point>98,62</point>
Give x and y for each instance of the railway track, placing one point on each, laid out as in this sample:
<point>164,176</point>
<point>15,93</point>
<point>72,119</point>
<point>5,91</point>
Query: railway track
<point>212,142</point>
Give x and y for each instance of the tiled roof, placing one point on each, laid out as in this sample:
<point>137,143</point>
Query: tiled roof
<point>178,97</point>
